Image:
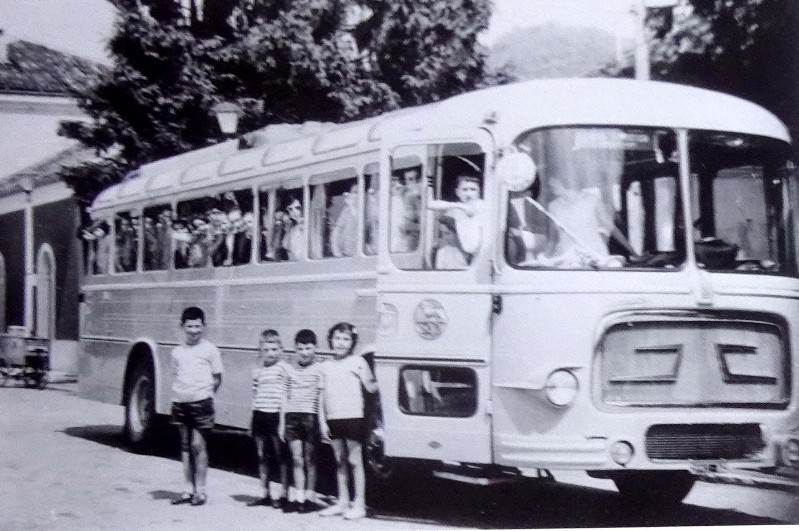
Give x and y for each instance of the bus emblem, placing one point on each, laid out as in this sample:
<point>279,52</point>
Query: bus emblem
<point>430,319</point>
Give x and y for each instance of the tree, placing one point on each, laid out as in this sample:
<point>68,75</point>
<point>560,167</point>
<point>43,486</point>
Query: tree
<point>282,61</point>
<point>749,48</point>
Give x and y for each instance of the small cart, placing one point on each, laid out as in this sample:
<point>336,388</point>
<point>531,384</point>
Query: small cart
<point>25,359</point>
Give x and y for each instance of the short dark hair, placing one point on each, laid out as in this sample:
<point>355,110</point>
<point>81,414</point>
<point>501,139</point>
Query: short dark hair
<point>306,337</point>
<point>343,327</point>
<point>191,313</point>
<point>270,335</point>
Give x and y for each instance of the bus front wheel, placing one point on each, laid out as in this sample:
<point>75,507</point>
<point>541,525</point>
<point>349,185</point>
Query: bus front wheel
<point>667,487</point>
<point>140,416</point>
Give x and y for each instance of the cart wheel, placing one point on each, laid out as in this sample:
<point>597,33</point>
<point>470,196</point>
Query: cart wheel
<point>41,381</point>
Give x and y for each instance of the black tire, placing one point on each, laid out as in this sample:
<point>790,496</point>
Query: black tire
<point>656,488</point>
<point>140,415</point>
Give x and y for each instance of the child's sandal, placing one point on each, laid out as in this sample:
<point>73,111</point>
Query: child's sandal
<point>183,498</point>
<point>199,499</point>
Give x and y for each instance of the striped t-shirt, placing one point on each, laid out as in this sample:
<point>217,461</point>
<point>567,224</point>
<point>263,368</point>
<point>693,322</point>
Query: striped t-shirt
<point>305,387</point>
<point>270,384</point>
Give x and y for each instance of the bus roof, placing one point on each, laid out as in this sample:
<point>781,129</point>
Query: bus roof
<point>512,109</point>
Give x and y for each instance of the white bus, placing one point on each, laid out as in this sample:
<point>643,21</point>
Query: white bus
<point>622,298</point>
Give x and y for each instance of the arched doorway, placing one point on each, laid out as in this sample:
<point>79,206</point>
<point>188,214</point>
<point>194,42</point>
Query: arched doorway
<point>2,294</point>
<point>45,292</point>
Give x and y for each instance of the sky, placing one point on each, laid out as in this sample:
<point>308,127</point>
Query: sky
<point>81,27</point>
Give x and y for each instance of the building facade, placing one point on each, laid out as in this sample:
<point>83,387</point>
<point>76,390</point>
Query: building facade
<point>40,255</point>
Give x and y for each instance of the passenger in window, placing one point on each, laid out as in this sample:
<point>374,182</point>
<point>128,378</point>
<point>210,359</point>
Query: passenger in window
<point>163,231</point>
<point>398,240</point>
<point>449,255</point>
<point>468,212</point>
<point>182,239</point>
<point>344,236</point>
<point>413,208</point>
<point>99,247</point>
<point>583,228</point>
<point>151,249</point>
<point>294,231</point>
<point>126,246</point>
<point>370,224</point>
<point>199,245</point>
<point>219,227</point>
<point>242,242</point>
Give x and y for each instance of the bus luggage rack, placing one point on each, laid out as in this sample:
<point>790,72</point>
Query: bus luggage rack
<point>703,441</point>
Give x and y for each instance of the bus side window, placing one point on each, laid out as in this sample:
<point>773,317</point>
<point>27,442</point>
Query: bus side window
<point>157,234</point>
<point>126,227</point>
<point>371,208</point>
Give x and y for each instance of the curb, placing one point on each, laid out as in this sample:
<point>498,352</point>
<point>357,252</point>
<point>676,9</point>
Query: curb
<point>57,377</point>
<point>753,479</point>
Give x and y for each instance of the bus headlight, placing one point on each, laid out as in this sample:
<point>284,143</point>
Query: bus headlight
<point>561,387</point>
<point>791,452</point>
<point>621,452</point>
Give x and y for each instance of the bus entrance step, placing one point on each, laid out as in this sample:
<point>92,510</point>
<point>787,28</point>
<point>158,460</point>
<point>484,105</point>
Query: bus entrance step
<point>477,475</point>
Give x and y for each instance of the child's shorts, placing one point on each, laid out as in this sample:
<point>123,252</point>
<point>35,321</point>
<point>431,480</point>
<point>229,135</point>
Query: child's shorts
<point>199,414</point>
<point>265,424</point>
<point>302,427</point>
<point>352,429</point>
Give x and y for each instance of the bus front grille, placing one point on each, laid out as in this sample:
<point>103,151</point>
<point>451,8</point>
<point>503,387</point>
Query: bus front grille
<point>693,359</point>
<point>670,442</point>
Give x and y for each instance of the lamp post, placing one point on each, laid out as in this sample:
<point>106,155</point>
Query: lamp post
<point>227,114</point>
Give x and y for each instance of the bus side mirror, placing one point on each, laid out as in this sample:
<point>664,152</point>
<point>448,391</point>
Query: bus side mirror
<point>516,170</point>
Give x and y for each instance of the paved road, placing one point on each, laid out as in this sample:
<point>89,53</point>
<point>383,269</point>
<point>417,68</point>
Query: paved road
<point>62,466</point>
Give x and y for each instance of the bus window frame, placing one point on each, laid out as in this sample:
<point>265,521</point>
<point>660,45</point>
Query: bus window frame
<point>485,140</point>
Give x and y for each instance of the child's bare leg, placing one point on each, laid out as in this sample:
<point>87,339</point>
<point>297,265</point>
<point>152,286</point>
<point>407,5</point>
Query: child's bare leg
<point>260,450</point>
<point>186,457</point>
<point>279,490</point>
<point>340,452</point>
<point>310,467</point>
<point>355,458</point>
<point>200,453</point>
<point>297,459</point>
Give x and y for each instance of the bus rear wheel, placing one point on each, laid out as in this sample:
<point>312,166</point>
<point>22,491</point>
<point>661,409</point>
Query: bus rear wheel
<point>667,487</point>
<point>140,416</point>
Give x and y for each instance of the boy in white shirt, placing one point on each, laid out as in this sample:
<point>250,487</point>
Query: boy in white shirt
<point>196,375</point>
<point>468,212</point>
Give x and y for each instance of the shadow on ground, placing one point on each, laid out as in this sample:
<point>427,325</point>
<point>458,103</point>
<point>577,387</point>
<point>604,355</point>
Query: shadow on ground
<point>419,498</point>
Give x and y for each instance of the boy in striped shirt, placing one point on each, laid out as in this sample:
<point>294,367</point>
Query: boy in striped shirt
<point>304,421</point>
<point>270,394</point>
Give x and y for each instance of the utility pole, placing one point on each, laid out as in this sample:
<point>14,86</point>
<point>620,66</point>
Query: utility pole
<point>642,70</point>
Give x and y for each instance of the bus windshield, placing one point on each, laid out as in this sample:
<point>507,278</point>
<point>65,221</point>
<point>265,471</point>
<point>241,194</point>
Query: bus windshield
<point>604,198</point>
<point>609,198</point>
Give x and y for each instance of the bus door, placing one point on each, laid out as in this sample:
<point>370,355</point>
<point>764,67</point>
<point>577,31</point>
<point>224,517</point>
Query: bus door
<point>432,360</point>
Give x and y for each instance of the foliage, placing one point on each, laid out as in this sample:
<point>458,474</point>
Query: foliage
<point>282,61</point>
<point>552,51</point>
<point>744,47</point>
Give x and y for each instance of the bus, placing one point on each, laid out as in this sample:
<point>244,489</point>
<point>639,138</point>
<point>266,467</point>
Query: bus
<point>584,274</point>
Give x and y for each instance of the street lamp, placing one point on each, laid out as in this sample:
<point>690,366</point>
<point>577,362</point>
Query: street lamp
<point>227,114</point>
